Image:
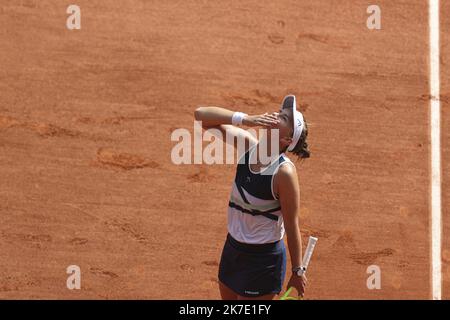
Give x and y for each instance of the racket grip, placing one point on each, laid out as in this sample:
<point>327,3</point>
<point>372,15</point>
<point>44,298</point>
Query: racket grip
<point>286,295</point>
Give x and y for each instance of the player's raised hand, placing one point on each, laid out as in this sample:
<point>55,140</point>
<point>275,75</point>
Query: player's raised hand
<point>265,120</point>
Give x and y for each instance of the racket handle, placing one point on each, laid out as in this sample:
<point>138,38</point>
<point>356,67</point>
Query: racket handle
<point>286,295</point>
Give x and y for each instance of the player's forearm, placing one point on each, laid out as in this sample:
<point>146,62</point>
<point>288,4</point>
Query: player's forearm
<point>213,116</point>
<point>294,240</point>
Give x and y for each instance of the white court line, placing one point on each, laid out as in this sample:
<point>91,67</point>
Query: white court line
<point>435,108</point>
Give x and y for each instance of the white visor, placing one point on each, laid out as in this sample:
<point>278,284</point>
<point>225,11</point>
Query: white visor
<point>290,102</point>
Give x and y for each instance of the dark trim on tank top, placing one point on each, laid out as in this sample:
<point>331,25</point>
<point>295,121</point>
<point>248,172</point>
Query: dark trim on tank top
<point>265,168</point>
<point>267,214</point>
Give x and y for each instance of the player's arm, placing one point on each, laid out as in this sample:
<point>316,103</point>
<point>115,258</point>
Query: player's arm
<point>289,195</point>
<point>222,119</point>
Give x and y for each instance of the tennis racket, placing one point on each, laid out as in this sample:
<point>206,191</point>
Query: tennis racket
<point>306,258</point>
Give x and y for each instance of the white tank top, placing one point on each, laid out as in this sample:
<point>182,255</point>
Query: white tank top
<point>254,212</point>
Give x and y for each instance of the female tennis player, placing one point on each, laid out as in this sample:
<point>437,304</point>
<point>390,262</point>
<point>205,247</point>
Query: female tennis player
<point>264,203</point>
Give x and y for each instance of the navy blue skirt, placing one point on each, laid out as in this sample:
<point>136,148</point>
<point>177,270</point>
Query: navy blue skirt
<point>253,270</point>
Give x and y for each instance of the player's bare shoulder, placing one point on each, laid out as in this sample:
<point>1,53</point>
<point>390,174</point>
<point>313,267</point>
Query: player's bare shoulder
<point>286,177</point>
<point>287,169</point>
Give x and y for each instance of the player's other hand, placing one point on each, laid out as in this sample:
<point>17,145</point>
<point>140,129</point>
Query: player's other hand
<point>298,283</point>
<point>265,120</point>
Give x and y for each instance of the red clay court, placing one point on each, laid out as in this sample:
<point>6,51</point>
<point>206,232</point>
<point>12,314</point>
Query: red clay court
<point>86,116</point>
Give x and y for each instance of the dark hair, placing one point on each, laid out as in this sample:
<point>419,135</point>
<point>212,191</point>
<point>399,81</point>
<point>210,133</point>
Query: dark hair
<point>301,148</point>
